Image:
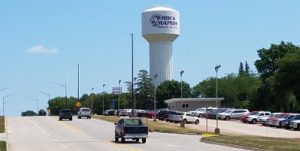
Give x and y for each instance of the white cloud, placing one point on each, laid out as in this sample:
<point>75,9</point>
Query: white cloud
<point>40,49</point>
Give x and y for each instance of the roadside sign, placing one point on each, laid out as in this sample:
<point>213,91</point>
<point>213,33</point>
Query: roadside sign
<point>117,90</point>
<point>78,104</point>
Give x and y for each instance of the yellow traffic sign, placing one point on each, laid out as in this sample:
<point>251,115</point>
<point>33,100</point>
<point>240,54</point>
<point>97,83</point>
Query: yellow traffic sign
<point>78,104</point>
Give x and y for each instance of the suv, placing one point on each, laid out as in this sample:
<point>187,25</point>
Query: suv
<point>84,112</point>
<point>233,114</point>
<point>254,118</point>
<point>188,117</point>
<point>65,114</point>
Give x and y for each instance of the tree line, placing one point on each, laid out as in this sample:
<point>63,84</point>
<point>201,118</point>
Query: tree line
<point>275,86</point>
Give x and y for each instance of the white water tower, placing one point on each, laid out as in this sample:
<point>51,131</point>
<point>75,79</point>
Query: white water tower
<point>160,27</point>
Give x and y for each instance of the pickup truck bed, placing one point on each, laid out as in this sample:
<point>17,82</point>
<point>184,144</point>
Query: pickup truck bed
<point>131,128</point>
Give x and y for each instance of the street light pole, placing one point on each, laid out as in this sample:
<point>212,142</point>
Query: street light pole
<point>119,98</point>
<point>155,76</point>
<point>3,103</point>
<point>92,101</point>
<point>103,99</point>
<point>217,130</point>
<point>132,82</point>
<point>181,72</point>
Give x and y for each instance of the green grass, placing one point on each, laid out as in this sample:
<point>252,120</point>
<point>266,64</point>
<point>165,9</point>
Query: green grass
<point>2,146</point>
<point>2,124</point>
<point>274,144</point>
<point>157,126</point>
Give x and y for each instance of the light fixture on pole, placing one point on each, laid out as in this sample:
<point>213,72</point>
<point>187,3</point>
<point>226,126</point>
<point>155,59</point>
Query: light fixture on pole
<point>103,99</point>
<point>65,86</point>
<point>217,130</point>
<point>155,76</point>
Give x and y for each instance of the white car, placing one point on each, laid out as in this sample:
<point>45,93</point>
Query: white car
<point>295,124</point>
<point>233,114</point>
<point>188,117</point>
<point>254,118</point>
<point>84,112</point>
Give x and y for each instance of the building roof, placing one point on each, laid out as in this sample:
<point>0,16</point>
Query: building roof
<point>193,99</point>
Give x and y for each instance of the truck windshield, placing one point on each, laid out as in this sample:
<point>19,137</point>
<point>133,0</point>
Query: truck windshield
<point>132,122</point>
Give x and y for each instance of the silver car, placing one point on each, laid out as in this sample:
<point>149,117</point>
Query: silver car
<point>84,112</point>
<point>233,114</point>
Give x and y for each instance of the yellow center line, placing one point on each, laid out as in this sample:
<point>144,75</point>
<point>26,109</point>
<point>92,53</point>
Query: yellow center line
<point>124,146</point>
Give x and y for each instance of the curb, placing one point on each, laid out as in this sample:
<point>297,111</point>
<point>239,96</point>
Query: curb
<point>232,145</point>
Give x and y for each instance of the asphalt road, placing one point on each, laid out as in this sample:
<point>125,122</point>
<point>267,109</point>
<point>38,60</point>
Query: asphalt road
<point>49,134</point>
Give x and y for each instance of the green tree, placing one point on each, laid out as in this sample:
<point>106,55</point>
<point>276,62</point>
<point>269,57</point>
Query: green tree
<point>144,91</point>
<point>278,68</point>
<point>171,89</point>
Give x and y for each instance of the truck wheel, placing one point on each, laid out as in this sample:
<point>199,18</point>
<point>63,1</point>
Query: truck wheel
<point>197,122</point>
<point>137,140</point>
<point>254,121</point>
<point>227,118</point>
<point>79,117</point>
<point>123,140</point>
<point>116,138</point>
<point>144,140</point>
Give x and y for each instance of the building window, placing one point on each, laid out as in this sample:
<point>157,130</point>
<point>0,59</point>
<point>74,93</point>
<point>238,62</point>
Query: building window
<point>185,105</point>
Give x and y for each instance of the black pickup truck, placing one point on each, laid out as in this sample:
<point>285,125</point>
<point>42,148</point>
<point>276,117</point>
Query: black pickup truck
<point>131,128</point>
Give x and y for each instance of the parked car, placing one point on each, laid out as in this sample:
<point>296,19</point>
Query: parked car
<point>163,115</point>
<point>233,114</point>
<point>110,112</point>
<point>254,118</point>
<point>213,113</point>
<point>65,114</point>
<point>271,121</point>
<point>201,112</point>
<point>295,124</point>
<point>175,117</point>
<point>188,117</point>
<point>266,120</point>
<point>84,112</point>
<point>131,128</point>
<point>244,118</point>
<point>286,123</point>
<point>279,122</point>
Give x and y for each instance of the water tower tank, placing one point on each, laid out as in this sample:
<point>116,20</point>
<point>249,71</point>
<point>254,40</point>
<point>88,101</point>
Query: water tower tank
<point>160,27</point>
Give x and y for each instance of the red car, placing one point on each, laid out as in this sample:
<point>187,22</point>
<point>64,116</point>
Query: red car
<point>245,116</point>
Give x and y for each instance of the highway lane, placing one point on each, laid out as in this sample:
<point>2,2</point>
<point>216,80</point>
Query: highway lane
<point>49,134</point>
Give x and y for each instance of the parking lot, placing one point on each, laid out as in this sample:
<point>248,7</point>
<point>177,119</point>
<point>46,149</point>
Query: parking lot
<point>235,127</point>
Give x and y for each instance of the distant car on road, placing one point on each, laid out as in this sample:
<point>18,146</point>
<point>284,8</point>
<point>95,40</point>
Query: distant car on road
<point>131,128</point>
<point>65,114</point>
<point>42,112</point>
<point>84,112</point>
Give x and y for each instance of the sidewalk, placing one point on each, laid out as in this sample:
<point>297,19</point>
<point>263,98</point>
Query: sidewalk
<point>3,137</point>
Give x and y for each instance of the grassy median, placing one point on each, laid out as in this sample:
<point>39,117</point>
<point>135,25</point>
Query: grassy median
<point>2,124</point>
<point>263,143</point>
<point>3,146</point>
<point>157,126</point>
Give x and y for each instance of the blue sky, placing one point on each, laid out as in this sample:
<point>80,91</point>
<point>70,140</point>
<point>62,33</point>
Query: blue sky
<point>41,42</point>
